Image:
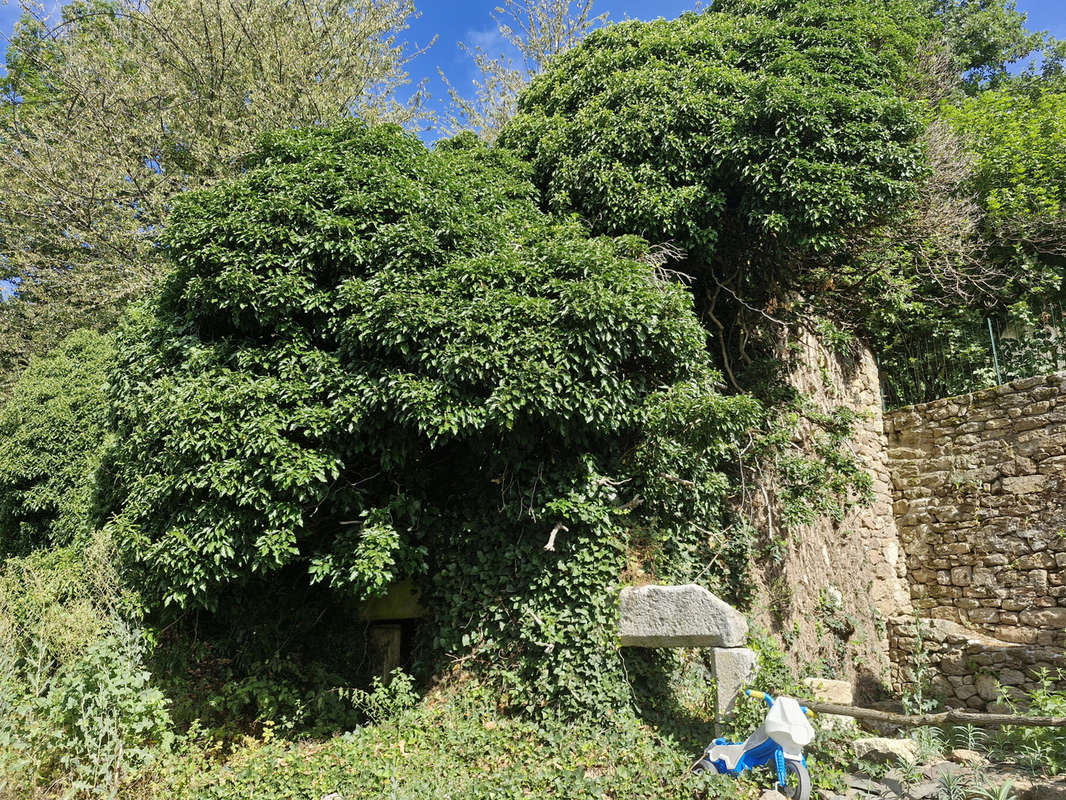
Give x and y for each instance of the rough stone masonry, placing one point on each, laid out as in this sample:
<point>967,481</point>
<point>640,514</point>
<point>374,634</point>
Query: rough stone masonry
<point>979,483</point>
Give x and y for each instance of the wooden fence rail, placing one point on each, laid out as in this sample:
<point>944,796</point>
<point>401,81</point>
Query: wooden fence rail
<point>952,717</point>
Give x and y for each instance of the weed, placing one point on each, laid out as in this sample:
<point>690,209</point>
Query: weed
<point>910,772</point>
<point>951,787</point>
<point>970,737</point>
<point>930,742</point>
<point>1003,791</point>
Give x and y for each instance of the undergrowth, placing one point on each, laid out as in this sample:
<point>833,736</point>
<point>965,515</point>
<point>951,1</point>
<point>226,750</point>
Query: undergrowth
<point>456,744</point>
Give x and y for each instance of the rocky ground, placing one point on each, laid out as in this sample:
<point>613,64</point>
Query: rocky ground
<point>960,776</point>
<point>901,771</point>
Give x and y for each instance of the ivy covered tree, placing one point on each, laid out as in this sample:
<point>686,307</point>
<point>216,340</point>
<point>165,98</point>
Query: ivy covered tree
<point>373,361</point>
<point>750,126</point>
<point>762,138</point>
<point>53,434</point>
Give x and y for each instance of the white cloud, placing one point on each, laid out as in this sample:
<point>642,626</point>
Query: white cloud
<point>488,40</point>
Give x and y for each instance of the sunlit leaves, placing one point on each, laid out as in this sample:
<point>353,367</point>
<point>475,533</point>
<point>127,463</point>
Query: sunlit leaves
<point>113,107</point>
<point>52,435</point>
<point>754,122</point>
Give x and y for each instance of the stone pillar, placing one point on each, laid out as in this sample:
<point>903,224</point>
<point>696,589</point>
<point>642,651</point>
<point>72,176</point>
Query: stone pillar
<point>734,667</point>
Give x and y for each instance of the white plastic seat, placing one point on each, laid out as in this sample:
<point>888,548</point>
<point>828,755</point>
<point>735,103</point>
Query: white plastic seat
<point>731,753</point>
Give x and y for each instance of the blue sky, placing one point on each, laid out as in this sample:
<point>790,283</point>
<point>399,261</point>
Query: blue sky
<point>470,20</point>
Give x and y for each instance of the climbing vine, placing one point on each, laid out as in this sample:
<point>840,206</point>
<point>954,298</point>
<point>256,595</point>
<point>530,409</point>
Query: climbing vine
<point>373,362</point>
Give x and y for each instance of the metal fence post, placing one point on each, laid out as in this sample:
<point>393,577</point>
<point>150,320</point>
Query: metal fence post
<point>995,356</point>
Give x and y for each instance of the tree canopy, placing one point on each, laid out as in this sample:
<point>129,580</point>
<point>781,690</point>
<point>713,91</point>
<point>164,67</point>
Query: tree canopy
<point>753,124</point>
<point>111,107</point>
<point>52,438</point>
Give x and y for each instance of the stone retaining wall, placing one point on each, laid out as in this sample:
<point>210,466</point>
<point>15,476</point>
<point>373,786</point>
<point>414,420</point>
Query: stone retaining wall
<point>839,582</point>
<point>966,668</point>
<point>980,486</point>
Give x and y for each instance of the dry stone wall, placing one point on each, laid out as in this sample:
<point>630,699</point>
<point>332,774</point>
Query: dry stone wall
<point>979,483</point>
<point>958,564</point>
<point>838,583</point>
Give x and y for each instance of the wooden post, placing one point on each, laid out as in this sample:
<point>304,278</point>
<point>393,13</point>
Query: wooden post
<point>952,717</point>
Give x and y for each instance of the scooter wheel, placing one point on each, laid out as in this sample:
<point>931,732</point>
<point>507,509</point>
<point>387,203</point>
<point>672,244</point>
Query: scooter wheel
<point>703,765</point>
<point>799,781</point>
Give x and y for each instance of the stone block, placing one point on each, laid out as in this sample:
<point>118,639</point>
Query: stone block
<point>882,750</point>
<point>1016,635</point>
<point>1011,677</point>
<point>986,686</point>
<point>734,667</point>
<point>1045,618</point>
<point>1038,580</point>
<point>830,691</point>
<point>983,615</point>
<point>1024,484</point>
<point>969,758</point>
<point>678,616</point>
<point>954,664</point>
<point>384,646</point>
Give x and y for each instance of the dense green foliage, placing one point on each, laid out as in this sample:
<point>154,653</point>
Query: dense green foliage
<point>457,746</point>
<point>1018,142</point>
<point>765,142</point>
<point>373,361</point>
<point>466,366</point>
<point>804,159</point>
<point>52,437</point>
<point>1012,149</point>
<point>758,128</point>
<point>110,108</point>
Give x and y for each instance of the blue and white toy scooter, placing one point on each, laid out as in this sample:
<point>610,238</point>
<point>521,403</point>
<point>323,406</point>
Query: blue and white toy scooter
<point>779,740</point>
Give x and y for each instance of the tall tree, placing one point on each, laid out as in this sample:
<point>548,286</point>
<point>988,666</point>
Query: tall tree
<point>117,105</point>
<point>984,36</point>
<point>531,32</point>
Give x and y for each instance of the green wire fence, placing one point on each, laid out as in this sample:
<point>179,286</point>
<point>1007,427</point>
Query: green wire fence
<point>924,364</point>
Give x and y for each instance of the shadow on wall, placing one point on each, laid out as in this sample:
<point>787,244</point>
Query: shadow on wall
<point>967,669</point>
<point>825,589</point>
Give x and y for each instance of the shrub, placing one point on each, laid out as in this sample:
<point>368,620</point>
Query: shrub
<point>52,437</point>
<point>77,712</point>
<point>1017,139</point>
<point>1039,749</point>
<point>454,747</point>
<point>373,361</point>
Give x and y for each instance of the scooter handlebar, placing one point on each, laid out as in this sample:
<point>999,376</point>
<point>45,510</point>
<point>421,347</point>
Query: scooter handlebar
<point>766,698</point>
